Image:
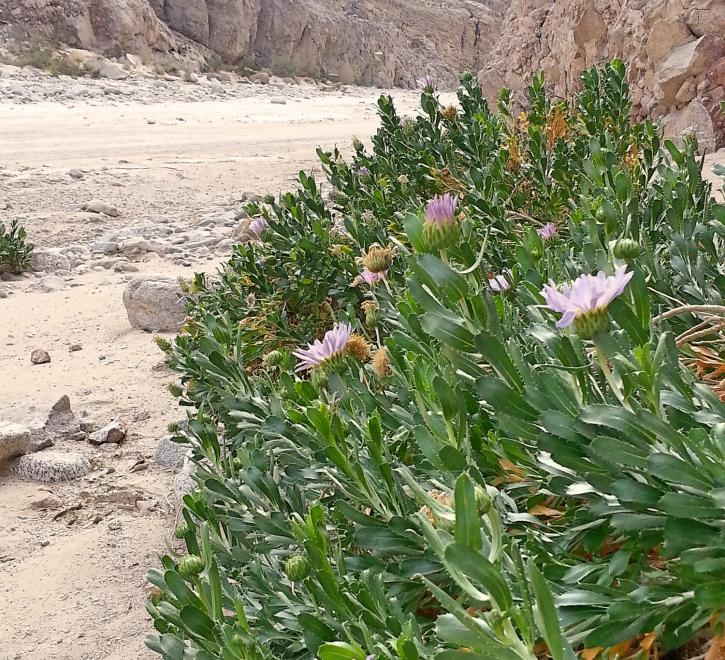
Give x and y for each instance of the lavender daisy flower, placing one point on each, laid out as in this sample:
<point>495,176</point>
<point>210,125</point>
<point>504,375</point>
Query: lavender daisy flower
<point>502,282</point>
<point>548,231</point>
<point>426,82</point>
<point>584,302</point>
<point>322,352</point>
<point>362,171</point>
<point>373,278</point>
<point>256,228</point>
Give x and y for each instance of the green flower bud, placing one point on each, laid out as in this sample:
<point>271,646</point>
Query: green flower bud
<point>319,378</point>
<point>372,316</point>
<point>275,358</point>
<point>439,236</point>
<point>483,500</point>
<point>163,343</point>
<point>175,389</point>
<point>190,566</point>
<point>587,324</point>
<point>297,568</point>
<point>182,529</point>
<point>626,249</point>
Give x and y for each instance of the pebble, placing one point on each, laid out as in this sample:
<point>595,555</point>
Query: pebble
<point>75,347</point>
<point>39,356</point>
<point>97,206</point>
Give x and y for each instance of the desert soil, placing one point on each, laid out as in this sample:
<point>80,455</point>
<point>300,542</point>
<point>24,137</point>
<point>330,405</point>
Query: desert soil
<point>175,159</point>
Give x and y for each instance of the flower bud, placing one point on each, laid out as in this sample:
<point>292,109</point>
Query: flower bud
<point>483,500</point>
<point>274,358</point>
<point>439,237</point>
<point>626,249</point>
<point>297,568</point>
<point>182,529</point>
<point>191,566</point>
<point>163,343</point>
<point>587,324</point>
<point>175,389</point>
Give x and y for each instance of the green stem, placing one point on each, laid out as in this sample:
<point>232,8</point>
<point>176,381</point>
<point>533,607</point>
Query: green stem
<point>609,376</point>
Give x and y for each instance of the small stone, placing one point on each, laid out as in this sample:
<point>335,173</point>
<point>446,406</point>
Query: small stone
<point>44,544</point>
<point>75,174</point>
<point>216,86</point>
<point>261,78</point>
<point>278,101</point>
<point>114,432</point>
<point>114,525</point>
<point>45,503</point>
<point>39,356</point>
<point>52,283</point>
<point>51,466</point>
<point>97,206</point>
<point>75,347</point>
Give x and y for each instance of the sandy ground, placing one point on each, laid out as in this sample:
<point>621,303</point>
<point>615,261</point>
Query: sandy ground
<point>72,571</point>
<point>73,584</point>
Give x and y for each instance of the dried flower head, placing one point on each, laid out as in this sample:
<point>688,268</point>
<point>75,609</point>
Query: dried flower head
<point>403,180</point>
<point>378,259</point>
<point>320,353</point>
<point>358,347</point>
<point>450,113</point>
<point>556,126</point>
<point>368,216</point>
<point>381,363</point>
<point>585,301</point>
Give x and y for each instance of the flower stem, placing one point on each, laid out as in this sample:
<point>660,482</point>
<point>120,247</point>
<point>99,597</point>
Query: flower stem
<point>609,376</point>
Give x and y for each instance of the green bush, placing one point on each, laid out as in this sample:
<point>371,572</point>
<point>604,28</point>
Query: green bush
<point>460,478</point>
<point>15,251</point>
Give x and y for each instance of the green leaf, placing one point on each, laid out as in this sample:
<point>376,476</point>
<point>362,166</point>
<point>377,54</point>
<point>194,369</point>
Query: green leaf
<point>443,277</point>
<point>340,651</point>
<point>481,572</point>
<point>468,522</point>
<point>446,397</point>
<point>449,332</point>
<point>673,470</point>
<point>547,617</point>
<point>197,622</point>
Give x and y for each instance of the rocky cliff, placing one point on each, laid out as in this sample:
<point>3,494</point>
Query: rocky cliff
<point>674,48</point>
<point>372,42</point>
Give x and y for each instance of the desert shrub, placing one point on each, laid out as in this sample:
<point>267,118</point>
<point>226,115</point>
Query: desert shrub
<point>455,476</point>
<point>15,251</point>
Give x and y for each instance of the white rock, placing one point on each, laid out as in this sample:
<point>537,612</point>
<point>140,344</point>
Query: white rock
<point>170,454</point>
<point>216,86</point>
<point>155,303</point>
<point>112,71</point>
<point>50,466</point>
<point>48,261</point>
<point>97,206</point>
<point>52,283</point>
<point>14,440</point>
<point>114,432</point>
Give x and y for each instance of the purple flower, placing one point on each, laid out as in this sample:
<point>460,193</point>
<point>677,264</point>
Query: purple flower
<point>587,294</point>
<point>362,171</point>
<point>373,278</point>
<point>256,228</point>
<point>441,210</point>
<point>318,352</point>
<point>426,82</point>
<point>500,283</point>
<point>548,231</point>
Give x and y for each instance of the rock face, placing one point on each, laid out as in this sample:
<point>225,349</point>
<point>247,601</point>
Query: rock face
<point>675,51</point>
<point>375,42</point>
<point>154,303</point>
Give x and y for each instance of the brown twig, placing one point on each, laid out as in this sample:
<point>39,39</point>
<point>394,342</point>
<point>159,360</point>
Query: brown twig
<point>717,310</point>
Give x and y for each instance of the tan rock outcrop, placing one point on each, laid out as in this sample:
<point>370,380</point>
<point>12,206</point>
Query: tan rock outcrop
<point>675,51</point>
